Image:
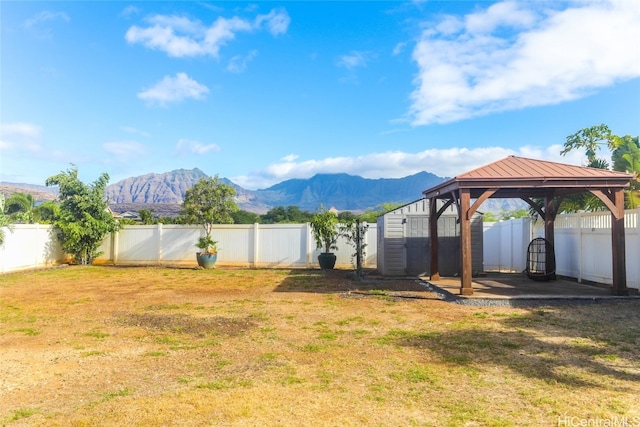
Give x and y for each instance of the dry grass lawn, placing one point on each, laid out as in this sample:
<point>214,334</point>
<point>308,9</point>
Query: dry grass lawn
<point>108,346</point>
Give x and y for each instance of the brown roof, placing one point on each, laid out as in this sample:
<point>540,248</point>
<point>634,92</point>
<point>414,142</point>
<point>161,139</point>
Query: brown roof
<point>513,176</point>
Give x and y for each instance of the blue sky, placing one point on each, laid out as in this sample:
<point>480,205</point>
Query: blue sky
<point>262,92</point>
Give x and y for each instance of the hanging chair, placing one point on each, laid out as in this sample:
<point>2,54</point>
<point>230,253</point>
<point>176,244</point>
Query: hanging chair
<point>541,260</point>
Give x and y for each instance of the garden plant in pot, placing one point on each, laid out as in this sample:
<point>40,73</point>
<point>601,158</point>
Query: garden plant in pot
<point>207,203</point>
<point>324,225</point>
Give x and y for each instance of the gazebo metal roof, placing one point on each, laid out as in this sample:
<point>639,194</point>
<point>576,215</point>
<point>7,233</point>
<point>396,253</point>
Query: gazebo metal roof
<point>515,177</point>
<point>530,180</point>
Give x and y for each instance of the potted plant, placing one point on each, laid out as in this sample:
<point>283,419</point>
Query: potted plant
<point>324,225</point>
<point>208,254</point>
<point>208,202</point>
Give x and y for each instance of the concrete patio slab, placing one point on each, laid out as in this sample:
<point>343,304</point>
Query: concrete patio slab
<point>518,286</point>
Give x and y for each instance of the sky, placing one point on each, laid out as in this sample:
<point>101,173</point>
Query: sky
<point>262,92</point>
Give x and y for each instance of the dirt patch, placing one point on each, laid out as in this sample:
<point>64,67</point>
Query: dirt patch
<point>186,324</point>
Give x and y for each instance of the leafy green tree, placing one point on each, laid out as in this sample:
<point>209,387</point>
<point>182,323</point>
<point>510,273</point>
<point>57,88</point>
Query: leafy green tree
<point>20,208</point>
<point>146,216</point>
<point>288,215</point>
<point>209,202</point>
<point>84,218</point>
<point>371,215</point>
<point>346,217</point>
<point>245,217</point>
<point>625,157</point>
<point>4,221</point>
<point>47,212</point>
<point>590,139</point>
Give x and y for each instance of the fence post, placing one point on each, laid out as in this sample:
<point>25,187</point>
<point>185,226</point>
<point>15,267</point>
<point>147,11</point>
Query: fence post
<point>159,227</point>
<point>580,244</point>
<point>115,247</point>
<point>256,244</point>
<point>308,239</point>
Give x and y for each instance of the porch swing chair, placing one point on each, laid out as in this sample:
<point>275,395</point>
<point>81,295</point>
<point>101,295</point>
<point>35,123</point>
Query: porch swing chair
<point>541,260</point>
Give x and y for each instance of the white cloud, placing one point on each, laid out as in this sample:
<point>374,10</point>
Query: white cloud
<point>276,21</point>
<point>129,11</point>
<point>131,129</point>
<point>125,151</point>
<point>20,136</point>
<point>186,146</point>
<point>238,64</point>
<point>397,164</point>
<point>174,89</point>
<point>45,16</point>
<point>515,55</point>
<point>182,37</point>
<point>354,59</point>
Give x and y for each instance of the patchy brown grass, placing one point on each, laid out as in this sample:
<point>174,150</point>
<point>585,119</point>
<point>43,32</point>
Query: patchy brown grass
<point>86,346</point>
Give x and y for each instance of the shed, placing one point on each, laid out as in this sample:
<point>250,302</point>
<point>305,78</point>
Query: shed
<point>404,245</point>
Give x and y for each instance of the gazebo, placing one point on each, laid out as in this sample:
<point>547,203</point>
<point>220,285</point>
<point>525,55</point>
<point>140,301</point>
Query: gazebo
<point>530,180</point>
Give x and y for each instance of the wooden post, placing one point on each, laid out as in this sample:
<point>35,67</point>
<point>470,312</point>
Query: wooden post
<point>550,211</point>
<point>618,253</point>
<point>434,269</point>
<point>465,243</point>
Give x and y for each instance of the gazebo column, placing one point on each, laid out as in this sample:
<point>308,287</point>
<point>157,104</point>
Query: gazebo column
<point>465,243</point>
<point>549,219</point>
<point>434,269</point>
<point>618,253</point>
<point>614,199</point>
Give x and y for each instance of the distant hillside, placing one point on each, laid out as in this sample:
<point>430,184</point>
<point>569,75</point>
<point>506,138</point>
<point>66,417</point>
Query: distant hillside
<point>166,187</point>
<point>41,193</point>
<point>163,193</point>
<point>342,191</point>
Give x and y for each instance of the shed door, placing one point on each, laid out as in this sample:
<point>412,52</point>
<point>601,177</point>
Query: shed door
<point>417,245</point>
<point>448,245</point>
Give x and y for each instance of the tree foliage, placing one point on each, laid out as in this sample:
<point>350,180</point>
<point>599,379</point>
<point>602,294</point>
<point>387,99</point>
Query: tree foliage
<point>84,218</point>
<point>20,208</point>
<point>625,157</point>
<point>245,217</point>
<point>324,225</point>
<point>209,202</point>
<point>4,221</point>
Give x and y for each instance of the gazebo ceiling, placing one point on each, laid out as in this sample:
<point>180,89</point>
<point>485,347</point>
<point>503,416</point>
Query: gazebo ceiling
<point>515,177</point>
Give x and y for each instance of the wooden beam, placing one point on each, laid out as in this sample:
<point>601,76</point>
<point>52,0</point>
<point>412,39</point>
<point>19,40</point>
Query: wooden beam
<point>608,200</point>
<point>479,201</point>
<point>466,287</point>
<point>444,207</point>
<point>434,269</point>
<point>535,206</point>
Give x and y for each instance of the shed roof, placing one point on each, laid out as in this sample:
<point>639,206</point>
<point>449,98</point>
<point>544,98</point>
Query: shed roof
<point>513,176</point>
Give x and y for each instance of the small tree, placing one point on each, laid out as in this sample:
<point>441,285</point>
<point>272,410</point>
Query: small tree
<point>324,225</point>
<point>354,232</point>
<point>84,219</point>
<point>208,202</point>
<point>4,221</point>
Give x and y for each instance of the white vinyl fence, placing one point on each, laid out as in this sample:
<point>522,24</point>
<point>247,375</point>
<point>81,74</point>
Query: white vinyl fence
<point>29,246</point>
<point>582,245</point>
<point>254,245</point>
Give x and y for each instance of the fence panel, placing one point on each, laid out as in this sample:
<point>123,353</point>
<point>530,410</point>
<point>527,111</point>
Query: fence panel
<point>29,246</point>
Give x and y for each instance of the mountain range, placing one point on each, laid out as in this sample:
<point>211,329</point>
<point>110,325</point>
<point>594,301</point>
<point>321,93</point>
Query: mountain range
<point>163,193</point>
<point>341,191</point>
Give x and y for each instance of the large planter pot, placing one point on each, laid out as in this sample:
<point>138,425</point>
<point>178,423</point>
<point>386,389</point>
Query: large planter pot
<point>327,260</point>
<point>206,260</point>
